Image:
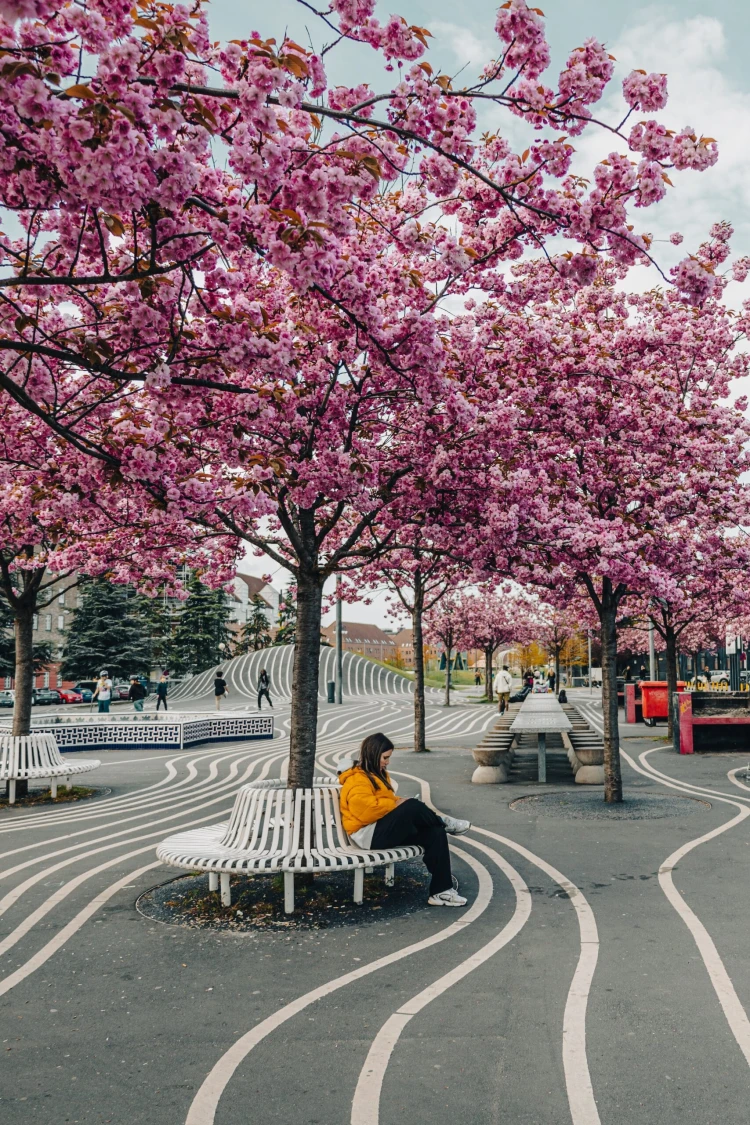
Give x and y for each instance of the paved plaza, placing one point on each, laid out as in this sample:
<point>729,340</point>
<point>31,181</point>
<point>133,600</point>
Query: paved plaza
<point>586,982</point>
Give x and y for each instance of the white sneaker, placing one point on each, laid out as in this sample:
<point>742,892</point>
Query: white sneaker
<point>455,827</point>
<point>450,897</point>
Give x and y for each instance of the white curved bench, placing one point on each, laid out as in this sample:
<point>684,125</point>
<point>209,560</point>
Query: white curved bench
<point>278,829</point>
<point>26,757</point>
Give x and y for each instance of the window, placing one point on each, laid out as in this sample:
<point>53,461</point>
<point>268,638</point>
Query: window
<point>48,623</point>
<point>36,622</point>
<point>60,622</point>
<point>61,599</point>
<point>46,679</point>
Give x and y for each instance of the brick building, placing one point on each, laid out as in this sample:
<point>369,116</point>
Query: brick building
<point>365,640</point>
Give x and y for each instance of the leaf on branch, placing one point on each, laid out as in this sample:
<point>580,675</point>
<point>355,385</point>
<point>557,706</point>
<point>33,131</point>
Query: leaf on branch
<point>420,33</point>
<point>295,65</point>
<point>443,82</point>
<point>370,164</point>
<point>80,91</point>
<point>114,224</point>
<point>425,66</point>
<point>23,322</point>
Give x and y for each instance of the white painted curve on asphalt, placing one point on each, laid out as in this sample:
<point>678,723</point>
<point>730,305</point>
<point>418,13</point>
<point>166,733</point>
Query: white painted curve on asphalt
<point>206,1101</point>
<point>366,1102</point>
<point>580,1091</point>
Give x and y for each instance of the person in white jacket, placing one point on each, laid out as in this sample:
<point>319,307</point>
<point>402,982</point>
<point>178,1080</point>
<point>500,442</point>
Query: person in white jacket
<point>503,685</point>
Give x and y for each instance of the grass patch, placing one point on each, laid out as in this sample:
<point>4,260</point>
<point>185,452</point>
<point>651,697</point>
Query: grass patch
<point>44,797</point>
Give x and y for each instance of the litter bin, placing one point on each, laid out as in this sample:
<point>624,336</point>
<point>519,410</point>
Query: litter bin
<point>331,691</point>
<point>654,699</point>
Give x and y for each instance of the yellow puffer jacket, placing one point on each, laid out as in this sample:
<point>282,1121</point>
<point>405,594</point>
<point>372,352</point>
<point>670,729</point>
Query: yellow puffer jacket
<point>362,804</point>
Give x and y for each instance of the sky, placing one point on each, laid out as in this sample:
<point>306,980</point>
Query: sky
<point>700,44</point>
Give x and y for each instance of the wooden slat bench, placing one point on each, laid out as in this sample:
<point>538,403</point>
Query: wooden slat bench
<point>272,828</point>
<point>28,757</point>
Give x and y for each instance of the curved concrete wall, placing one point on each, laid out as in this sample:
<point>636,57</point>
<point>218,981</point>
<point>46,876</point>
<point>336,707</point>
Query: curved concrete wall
<point>361,677</point>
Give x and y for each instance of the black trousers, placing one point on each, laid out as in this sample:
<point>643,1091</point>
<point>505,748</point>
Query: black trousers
<point>261,692</point>
<point>161,699</point>
<point>412,822</point>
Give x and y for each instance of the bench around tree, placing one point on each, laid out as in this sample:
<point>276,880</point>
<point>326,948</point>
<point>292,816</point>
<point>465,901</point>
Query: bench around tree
<point>272,828</point>
<point>30,757</point>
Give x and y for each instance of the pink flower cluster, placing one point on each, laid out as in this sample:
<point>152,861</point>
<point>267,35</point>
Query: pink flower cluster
<point>647,92</point>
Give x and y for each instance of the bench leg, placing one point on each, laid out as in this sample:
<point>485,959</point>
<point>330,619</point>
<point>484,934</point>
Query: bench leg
<point>226,890</point>
<point>12,791</point>
<point>359,884</point>
<point>53,787</point>
<point>542,755</point>
<point>390,874</point>
<point>213,881</point>
<point>67,784</point>
<point>289,892</point>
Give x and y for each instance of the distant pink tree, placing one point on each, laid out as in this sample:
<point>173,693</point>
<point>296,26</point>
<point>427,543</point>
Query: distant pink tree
<point>495,617</point>
<point>624,411</point>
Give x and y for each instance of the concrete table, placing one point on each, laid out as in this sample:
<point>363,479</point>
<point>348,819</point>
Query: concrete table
<point>541,715</point>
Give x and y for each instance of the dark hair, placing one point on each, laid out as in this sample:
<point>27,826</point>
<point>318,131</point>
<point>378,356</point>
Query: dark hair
<point>219,672</point>
<point>370,752</point>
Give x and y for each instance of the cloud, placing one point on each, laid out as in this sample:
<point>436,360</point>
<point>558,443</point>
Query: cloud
<point>467,48</point>
<point>692,52</point>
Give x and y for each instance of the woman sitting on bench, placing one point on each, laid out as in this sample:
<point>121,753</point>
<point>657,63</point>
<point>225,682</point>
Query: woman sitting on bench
<point>375,818</point>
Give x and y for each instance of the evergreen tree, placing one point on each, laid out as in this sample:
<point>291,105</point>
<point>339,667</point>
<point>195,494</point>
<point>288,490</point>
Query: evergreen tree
<point>202,624</point>
<point>255,633</point>
<point>161,615</point>
<point>287,630</point>
<point>109,630</point>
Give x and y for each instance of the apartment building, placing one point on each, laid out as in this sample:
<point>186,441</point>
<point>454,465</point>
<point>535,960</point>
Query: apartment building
<point>365,640</point>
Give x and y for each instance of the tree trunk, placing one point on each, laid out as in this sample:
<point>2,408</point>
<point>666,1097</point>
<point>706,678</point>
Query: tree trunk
<point>489,653</point>
<point>448,649</point>
<point>612,773</point>
<point>672,674</point>
<point>24,678</point>
<point>304,720</point>
<point>557,669</point>
<point>24,675</point>
<point>420,746</point>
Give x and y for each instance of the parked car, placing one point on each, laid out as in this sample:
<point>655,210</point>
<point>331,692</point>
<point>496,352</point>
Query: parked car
<point>720,676</point>
<point>47,695</point>
<point>7,698</point>
<point>86,690</point>
<point>70,695</point>
<point>121,690</point>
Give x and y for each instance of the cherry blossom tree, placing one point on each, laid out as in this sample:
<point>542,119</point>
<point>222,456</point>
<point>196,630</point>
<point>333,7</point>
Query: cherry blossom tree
<point>60,519</point>
<point>445,624</point>
<point>494,617</point>
<point>418,574</point>
<point>623,406</point>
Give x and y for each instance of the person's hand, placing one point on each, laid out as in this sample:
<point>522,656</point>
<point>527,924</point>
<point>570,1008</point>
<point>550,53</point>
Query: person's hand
<point>400,800</point>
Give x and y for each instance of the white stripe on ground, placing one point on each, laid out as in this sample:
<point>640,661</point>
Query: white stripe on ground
<point>734,1012</point>
<point>366,1102</point>
<point>206,1101</point>
<point>580,1091</point>
<point>58,941</point>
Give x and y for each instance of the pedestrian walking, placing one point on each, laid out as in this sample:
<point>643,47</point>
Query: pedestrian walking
<point>503,684</point>
<point>477,679</point>
<point>529,679</point>
<point>137,693</point>
<point>551,681</point>
<point>220,688</point>
<point>264,685</point>
<point>103,692</point>
<point>161,691</point>
<point>376,818</point>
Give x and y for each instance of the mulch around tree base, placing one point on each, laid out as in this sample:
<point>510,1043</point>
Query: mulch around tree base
<point>591,806</point>
<point>258,901</point>
<point>43,796</point>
